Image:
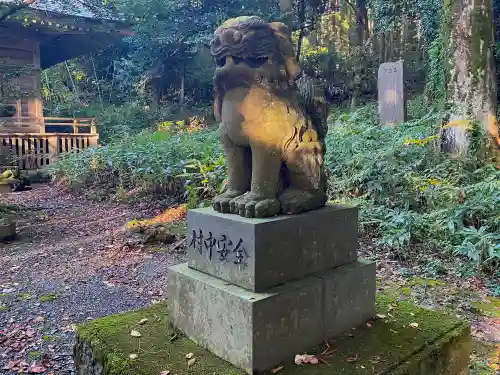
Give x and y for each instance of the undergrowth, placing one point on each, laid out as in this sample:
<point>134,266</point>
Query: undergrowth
<point>411,192</point>
<point>187,166</point>
<point>407,190</point>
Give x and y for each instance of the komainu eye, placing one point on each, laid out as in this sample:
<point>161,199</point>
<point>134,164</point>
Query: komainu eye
<point>221,62</point>
<point>255,62</point>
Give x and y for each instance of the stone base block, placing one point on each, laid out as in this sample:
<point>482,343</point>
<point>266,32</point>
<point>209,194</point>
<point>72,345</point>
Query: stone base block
<point>258,254</point>
<point>256,331</point>
<point>441,346</point>
<point>349,296</point>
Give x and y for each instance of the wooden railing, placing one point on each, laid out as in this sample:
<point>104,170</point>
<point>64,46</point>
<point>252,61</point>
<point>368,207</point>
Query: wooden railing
<point>76,124</point>
<point>35,150</point>
<point>19,124</point>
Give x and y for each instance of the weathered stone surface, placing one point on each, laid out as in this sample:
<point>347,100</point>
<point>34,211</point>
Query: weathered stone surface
<point>275,250</point>
<point>256,331</point>
<point>7,229</point>
<point>5,187</point>
<point>441,346</point>
<point>391,93</point>
<point>349,296</point>
<point>252,331</point>
<point>273,121</point>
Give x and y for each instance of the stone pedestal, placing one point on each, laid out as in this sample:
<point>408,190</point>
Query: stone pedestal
<point>256,292</point>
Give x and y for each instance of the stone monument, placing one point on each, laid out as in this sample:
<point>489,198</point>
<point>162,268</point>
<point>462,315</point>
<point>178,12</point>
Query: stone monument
<point>272,269</point>
<point>391,93</point>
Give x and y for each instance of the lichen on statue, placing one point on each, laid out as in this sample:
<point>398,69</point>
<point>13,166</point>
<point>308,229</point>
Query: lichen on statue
<point>272,122</point>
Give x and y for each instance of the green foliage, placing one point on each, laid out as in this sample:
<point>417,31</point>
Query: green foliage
<point>389,15</point>
<point>9,88</point>
<point>436,74</point>
<point>189,166</point>
<point>122,121</point>
<point>411,192</point>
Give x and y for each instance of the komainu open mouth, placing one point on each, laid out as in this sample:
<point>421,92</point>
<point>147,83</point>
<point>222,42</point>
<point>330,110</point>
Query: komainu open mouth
<point>252,62</point>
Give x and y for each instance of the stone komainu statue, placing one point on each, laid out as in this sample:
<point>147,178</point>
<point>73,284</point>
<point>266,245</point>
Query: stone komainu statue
<point>273,122</point>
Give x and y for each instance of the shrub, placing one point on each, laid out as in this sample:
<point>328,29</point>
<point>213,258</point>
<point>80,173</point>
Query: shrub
<point>410,191</point>
<point>187,165</point>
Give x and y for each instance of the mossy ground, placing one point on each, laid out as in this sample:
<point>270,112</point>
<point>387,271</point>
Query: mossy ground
<point>48,297</point>
<point>451,299</point>
<point>490,307</point>
<point>383,345</point>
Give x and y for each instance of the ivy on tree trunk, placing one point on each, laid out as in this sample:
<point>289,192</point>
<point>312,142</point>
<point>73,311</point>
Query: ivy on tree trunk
<point>472,77</point>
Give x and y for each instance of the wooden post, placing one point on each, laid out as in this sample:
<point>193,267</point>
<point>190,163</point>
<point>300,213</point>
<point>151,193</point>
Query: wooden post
<point>53,148</point>
<point>93,127</point>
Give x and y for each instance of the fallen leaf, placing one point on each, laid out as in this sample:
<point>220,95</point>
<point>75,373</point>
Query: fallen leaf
<point>381,316</point>
<point>305,358</point>
<point>352,359</point>
<point>133,356</point>
<point>165,373</point>
<point>189,355</point>
<point>413,325</point>
<point>277,369</point>
<point>142,321</point>
<point>36,369</point>
<point>135,333</point>
<point>174,337</point>
<point>191,362</point>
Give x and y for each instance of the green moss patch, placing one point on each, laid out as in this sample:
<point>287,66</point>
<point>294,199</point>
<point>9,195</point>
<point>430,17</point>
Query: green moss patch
<point>34,355</point>
<point>428,283</point>
<point>48,297</point>
<point>490,307</point>
<point>403,337</point>
<point>25,295</point>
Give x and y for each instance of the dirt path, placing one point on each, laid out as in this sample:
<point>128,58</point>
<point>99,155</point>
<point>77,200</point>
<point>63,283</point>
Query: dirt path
<point>69,265</point>
<point>74,263</point>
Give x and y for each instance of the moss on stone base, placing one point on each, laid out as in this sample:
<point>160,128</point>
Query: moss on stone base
<point>403,340</point>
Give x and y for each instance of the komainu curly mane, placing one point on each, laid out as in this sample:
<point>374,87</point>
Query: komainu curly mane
<point>271,111</point>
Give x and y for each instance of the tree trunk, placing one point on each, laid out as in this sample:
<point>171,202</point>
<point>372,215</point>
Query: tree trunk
<point>286,7</point>
<point>183,86</point>
<point>302,19</point>
<point>472,77</point>
<point>361,21</point>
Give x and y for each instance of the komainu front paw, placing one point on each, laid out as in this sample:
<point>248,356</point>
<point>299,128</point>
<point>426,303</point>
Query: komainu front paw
<point>221,202</point>
<point>252,206</point>
<point>296,201</point>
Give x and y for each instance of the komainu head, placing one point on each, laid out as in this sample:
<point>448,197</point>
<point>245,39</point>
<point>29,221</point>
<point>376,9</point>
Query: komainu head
<point>250,40</point>
<point>248,49</point>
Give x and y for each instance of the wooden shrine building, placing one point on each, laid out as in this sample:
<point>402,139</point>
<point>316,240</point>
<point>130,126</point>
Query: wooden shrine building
<point>33,38</point>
